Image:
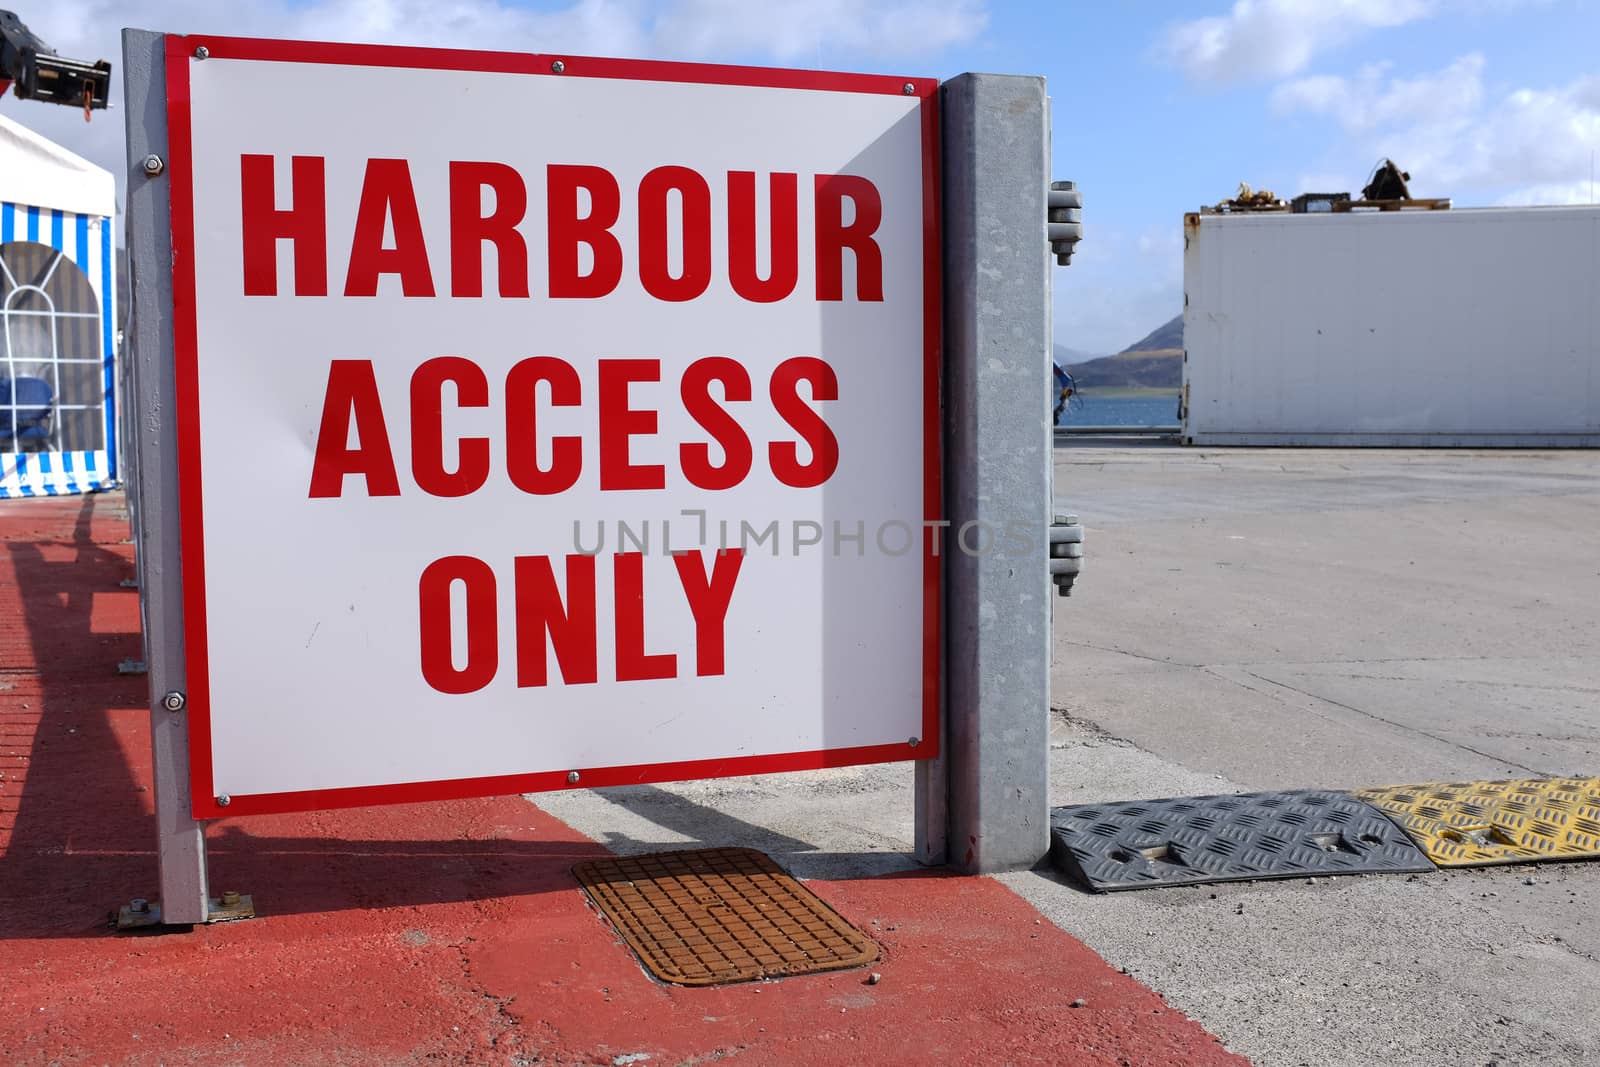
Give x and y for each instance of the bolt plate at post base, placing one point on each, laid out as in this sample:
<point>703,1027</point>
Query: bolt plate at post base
<point>129,919</point>
<point>244,907</point>
<point>216,912</point>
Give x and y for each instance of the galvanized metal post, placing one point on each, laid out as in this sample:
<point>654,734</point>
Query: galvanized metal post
<point>180,838</point>
<point>992,805</point>
<point>128,464</point>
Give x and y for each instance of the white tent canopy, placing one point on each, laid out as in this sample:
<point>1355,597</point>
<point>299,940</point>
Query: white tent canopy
<point>58,370</point>
<point>41,173</point>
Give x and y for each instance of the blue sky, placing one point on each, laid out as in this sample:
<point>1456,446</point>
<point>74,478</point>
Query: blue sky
<point>1158,107</point>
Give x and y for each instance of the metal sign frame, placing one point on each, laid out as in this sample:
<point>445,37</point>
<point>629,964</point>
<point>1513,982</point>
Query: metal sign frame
<point>986,620</point>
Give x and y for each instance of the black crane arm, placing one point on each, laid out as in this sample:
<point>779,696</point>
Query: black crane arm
<point>37,73</point>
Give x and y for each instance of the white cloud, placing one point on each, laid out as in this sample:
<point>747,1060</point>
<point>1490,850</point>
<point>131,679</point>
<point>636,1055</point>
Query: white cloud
<point>816,31</point>
<point>1370,99</point>
<point>829,33</point>
<point>1526,146</point>
<point>1277,38</point>
<point>1586,191</point>
<point>1271,39</point>
<point>1534,136</point>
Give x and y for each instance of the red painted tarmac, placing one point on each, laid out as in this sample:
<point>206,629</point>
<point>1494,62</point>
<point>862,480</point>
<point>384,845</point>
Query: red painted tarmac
<point>447,933</point>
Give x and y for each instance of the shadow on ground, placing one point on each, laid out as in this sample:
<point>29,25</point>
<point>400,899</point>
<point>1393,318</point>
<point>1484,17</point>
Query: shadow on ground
<point>77,829</point>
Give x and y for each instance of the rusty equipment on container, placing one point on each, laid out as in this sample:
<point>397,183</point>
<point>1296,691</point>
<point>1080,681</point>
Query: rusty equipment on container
<point>1247,200</point>
<point>1388,183</point>
<point>1387,190</point>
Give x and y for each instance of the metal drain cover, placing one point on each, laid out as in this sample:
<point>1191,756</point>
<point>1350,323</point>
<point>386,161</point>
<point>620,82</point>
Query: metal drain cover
<point>711,916</point>
<point>1187,840</point>
<point>1471,824</point>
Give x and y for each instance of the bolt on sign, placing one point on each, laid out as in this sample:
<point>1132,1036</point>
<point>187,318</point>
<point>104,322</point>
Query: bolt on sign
<point>549,420</point>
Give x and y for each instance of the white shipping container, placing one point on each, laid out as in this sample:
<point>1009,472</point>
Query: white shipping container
<point>1443,328</point>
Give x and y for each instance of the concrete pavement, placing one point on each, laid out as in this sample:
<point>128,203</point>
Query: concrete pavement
<point>1344,618</point>
<point>1412,615</point>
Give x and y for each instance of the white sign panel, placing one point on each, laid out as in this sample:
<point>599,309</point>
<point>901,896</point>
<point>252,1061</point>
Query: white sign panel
<point>549,421</point>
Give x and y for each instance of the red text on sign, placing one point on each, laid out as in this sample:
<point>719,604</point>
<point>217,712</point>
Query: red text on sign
<point>546,621</point>
<point>672,207</point>
<point>353,448</point>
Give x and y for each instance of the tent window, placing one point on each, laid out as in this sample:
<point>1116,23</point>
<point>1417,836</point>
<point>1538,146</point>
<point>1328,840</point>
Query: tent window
<point>52,380</point>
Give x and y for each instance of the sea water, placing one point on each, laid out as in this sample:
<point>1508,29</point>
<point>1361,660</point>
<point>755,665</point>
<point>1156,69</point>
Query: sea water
<point>1087,409</point>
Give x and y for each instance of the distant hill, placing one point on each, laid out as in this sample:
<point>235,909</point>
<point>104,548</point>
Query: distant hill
<point>1155,361</point>
<point>1167,337</point>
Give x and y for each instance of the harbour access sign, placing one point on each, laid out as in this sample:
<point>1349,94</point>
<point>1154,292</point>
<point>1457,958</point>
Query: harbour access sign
<point>548,421</point>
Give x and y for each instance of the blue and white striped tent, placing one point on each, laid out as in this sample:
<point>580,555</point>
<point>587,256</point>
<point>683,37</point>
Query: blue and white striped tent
<point>58,382</point>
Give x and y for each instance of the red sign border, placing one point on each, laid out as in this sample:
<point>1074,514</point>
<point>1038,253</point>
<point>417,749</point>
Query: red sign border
<point>180,52</point>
